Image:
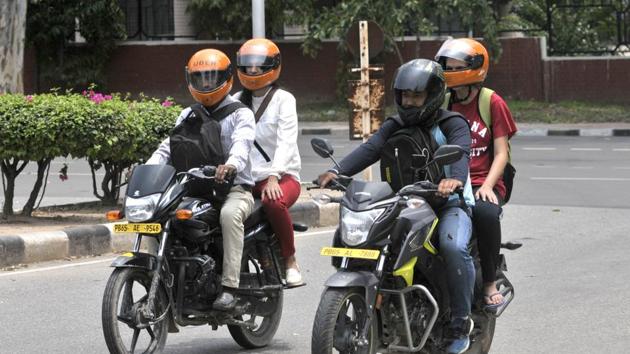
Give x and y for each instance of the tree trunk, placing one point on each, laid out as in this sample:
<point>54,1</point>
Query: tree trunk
<point>42,166</point>
<point>10,171</point>
<point>12,33</point>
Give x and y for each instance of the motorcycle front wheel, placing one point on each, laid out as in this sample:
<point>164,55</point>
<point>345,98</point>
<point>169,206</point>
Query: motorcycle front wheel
<point>125,327</point>
<point>340,317</point>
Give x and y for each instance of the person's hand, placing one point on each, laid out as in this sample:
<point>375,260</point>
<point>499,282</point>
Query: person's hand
<point>272,189</point>
<point>448,186</point>
<point>486,194</point>
<point>325,178</point>
<point>223,171</point>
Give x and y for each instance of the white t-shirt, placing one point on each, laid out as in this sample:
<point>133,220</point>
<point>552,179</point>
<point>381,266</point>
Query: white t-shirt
<point>276,133</point>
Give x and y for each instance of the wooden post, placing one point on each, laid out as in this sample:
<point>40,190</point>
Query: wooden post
<point>365,88</point>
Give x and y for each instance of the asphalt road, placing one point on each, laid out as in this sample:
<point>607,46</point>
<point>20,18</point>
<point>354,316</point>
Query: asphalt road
<point>571,171</point>
<point>570,278</point>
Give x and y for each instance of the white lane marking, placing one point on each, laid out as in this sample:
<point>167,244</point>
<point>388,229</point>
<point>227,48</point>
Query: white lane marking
<point>586,149</point>
<point>582,167</point>
<point>300,234</point>
<point>9,273</point>
<point>621,149</point>
<point>545,166</point>
<point>600,179</point>
<point>54,267</point>
<point>539,148</point>
<point>621,167</point>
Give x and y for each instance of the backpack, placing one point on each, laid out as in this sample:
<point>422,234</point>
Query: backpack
<point>486,116</point>
<point>399,150</point>
<point>196,142</point>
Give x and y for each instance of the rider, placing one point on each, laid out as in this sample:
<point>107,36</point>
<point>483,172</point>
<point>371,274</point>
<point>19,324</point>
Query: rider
<point>275,157</point>
<point>465,63</point>
<point>419,90</point>
<point>209,77</point>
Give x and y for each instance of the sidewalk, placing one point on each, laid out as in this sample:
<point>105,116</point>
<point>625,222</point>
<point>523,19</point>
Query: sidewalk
<point>525,129</point>
<point>89,234</point>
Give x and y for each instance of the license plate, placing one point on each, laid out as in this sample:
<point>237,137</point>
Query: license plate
<point>350,252</point>
<point>138,228</point>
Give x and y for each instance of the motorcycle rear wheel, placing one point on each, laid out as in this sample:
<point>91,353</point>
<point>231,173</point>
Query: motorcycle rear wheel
<point>341,315</point>
<point>266,327</point>
<point>125,294</point>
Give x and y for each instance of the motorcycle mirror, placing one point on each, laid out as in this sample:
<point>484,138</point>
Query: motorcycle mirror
<point>448,154</point>
<point>322,147</point>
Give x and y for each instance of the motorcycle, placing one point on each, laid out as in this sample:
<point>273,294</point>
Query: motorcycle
<point>389,293</point>
<point>151,294</point>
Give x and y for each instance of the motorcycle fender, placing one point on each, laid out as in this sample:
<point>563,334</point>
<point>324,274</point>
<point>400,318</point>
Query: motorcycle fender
<point>135,260</point>
<point>363,279</point>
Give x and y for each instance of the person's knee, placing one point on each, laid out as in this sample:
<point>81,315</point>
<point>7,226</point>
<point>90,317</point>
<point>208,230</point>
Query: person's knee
<point>271,204</point>
<point>486,212</point>
<point>450,249</point>
<point>231,217</point>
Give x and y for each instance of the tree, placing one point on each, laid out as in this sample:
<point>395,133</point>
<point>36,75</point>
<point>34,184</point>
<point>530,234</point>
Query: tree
<point>224,19</point>
<point>51,29</point>
<point>12,32</point>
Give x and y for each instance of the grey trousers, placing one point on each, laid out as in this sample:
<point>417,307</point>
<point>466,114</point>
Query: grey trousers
<point>235,210</point>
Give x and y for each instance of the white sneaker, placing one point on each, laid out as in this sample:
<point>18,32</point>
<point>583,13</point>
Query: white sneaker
<point>294,277</point>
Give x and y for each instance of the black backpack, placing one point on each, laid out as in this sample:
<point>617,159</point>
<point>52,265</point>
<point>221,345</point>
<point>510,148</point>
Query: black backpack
<point>405,145</point>
<point>196,142</point>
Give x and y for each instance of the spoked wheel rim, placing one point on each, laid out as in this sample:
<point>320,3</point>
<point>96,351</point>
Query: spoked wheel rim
<point>134,329</point>
<point>350,321</point>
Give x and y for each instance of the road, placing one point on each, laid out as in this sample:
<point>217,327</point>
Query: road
<point>570,278</point>
<point>572,171</point>
<point>570,208</point>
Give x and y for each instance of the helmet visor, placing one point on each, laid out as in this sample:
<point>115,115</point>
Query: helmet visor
<point>257,64</point>
<point>207,80</point>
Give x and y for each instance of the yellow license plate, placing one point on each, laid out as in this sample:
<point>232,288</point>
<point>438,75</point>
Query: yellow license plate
<point>350,252</point>
<point>138,228</point>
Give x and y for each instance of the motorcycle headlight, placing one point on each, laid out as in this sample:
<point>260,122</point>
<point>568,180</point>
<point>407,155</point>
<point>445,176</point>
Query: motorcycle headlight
<point>141,209</point>
<point>355,225</point>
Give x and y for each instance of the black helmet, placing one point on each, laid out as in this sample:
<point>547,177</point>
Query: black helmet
<point>420,75</point>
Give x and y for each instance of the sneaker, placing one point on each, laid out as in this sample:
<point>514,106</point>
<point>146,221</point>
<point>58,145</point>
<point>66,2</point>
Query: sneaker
<point>460,333</point>
<point>225,301</point>
<point>294,277</point>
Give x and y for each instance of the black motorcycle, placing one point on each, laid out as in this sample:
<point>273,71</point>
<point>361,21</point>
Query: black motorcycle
<point>389,293</point>
<point>151,294</point>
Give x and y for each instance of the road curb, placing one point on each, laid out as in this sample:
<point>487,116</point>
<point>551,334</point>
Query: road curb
<point>93,240</point>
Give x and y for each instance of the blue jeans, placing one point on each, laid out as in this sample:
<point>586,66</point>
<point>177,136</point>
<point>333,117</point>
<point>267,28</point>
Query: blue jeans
<point>455,230</point>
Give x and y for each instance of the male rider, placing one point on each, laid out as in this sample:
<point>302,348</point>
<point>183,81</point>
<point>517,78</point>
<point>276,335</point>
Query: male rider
<point>209,77</point>
<point>419,90</point>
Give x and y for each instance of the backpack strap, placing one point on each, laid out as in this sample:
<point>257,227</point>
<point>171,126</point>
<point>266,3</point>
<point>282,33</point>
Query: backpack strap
<point>265,103</point>
<point>484,106</point>
<point>258,114</point>
<point>226,110</point>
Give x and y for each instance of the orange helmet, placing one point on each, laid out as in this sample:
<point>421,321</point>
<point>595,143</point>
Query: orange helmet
<point>473,53</point>
<point>209,76</point>
<point>258,53</point>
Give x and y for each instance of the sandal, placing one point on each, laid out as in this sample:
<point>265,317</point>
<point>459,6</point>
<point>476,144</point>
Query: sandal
<point>489,297</point>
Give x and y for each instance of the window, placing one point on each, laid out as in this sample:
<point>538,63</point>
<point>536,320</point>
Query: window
<point>148,19</point>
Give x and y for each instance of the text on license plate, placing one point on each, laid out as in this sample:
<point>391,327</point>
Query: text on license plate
<point>138,228</point>
<point>350,252</point>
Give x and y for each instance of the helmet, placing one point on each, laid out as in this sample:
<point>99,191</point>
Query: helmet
<point>261,53</point>
<point>209,76</point>
<point>420,75</point>
<point>467,50</point>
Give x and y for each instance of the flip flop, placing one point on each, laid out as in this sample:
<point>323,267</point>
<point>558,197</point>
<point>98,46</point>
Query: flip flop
<point>492,306</point>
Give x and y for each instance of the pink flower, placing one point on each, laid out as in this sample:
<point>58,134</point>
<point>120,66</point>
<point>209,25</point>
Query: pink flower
<point>29,98</point>
<point>84,93</point>
<point>167,103</point>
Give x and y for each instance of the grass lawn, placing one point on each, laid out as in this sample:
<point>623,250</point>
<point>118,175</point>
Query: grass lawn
<point>523,111</point>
